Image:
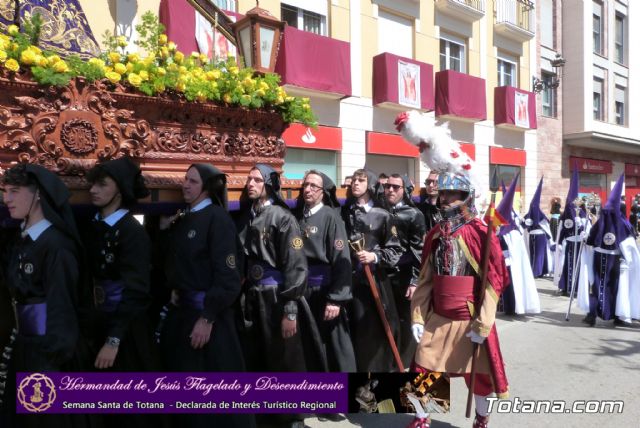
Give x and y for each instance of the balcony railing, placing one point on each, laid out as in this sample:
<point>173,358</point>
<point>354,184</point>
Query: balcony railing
<point>515,19</point>
<point>466,10</point>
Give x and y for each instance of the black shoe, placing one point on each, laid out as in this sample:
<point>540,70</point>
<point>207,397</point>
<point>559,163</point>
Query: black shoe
<point>589,319</point>
<point>619,323</point>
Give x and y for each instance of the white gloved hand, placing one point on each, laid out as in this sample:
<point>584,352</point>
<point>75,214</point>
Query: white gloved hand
<point>418,331</point>
<point>475,337</point>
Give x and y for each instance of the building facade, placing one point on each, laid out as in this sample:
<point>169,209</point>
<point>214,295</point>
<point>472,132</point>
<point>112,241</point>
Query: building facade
<point>601,132</point>
<point>466,62</point>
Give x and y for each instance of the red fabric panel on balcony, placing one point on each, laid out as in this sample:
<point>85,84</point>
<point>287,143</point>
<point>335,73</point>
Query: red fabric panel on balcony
<point>505,111</point>
<point>502,156</point>
<point>179,20</point>
<point>316,62</point>
<point>386,84</point>
<point>323,138</point>
<point>590,165</point>
<point>390,144</point>
<point>469,149</point>
<point>459,94</point>
<point>631,170</point>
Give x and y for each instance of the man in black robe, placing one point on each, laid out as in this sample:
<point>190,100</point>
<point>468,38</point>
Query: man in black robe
<point>199,332</point>
<point>329,280</point>
<point>373,242</point>
<point>410,227</point>
<point>119,253</point>
<point>42,279</point>
<point>283,335</point>
<point>430,207</point>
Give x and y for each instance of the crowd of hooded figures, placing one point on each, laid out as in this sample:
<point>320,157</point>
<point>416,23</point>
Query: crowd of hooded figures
<point>319,285</point>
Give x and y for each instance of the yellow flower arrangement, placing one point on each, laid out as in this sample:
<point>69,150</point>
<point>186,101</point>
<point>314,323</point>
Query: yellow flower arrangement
<point>112,76</point>
<point>12,65</point>
<point>164,70</point>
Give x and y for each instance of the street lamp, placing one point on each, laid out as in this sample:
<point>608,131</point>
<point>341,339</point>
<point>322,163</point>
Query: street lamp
<point>539,85</point>
<point>258,35</point>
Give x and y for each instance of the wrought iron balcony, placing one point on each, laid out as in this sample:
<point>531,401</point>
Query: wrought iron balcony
<point>515,19</point>
<point>466,10</point>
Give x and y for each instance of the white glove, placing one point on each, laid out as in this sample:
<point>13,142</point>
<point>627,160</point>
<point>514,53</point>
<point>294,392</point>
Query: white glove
<point>418,331</point>
<point>475,337</point>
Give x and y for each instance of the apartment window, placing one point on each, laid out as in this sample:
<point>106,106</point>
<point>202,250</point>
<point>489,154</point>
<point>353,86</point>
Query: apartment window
<point>621,97</point>
<point>547,33</point>
<point>395,34</point>
<point>620,34</point>
<point>597,28</point>
<point>226,4</point>
<point>452,53</point>
<point>302,19</point>
<point>548,96</point>
<point>598,100</point>
<point>507,70</point>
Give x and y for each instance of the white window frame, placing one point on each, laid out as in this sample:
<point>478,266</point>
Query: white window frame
<point>621,43</point>
<point>623,116</point>
<point>599,32</point>
<point>225,4</point>
<point>449,39</point>
<point>549,96</point>
<point>598,114</point>
<point>306,7</point>
<point>503,61</point>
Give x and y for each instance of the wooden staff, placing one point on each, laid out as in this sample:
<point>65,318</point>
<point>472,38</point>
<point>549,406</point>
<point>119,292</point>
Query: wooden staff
<point>484,264</point>
<point>357,246</point>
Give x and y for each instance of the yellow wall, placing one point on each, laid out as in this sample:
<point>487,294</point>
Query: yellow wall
<point>102,15</point>
<point>339,25</point>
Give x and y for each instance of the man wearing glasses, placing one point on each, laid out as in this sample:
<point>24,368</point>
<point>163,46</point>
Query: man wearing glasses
<point>373,242</point>
<point>430,207</point>
<point>410,227</point>
<point>329,279</point>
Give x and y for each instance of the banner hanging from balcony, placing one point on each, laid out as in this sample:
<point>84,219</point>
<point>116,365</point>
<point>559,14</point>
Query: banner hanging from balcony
<point>521,106</point>
<point>211,42</point>
<point>409,84</point>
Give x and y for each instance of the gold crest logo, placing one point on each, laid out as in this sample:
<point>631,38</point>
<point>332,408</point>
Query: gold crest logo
<point>257,272</point>
<point>231,261</point>
<point>36,393</point>
<point>296,243</point>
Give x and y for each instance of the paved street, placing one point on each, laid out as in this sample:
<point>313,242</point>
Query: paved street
<point>549,359</point>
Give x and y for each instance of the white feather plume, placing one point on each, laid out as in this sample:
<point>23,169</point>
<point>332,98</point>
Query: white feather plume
<point>438,150</point>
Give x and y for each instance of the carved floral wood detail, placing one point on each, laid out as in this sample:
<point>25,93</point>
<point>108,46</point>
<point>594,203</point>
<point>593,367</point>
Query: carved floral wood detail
<point>71,128</point>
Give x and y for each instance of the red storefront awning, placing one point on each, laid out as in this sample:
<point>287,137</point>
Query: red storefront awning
<point>513,106</point>
<point>458,94</point>
<point>402,81</point>
<point>322,138</point>
<point>315,62</point>
<point>590,165</point>
<point>631,170</point>
<point>390,145</point>
<point>502,156</point>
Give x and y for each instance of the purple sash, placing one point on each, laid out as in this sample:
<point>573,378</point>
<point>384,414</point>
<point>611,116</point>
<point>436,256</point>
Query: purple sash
<point>192,299</point>
<point>319,276</point>
<point>263,274</point>
<point>107,294</point>
<point>32,319</point>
